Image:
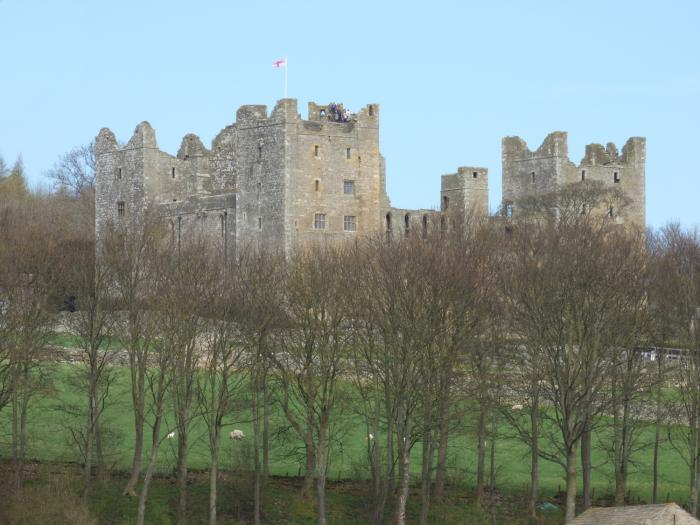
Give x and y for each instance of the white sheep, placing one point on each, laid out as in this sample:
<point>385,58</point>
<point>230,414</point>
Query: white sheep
<point>371,437</point>
<point>236,434</point>
<point>171,435</point>
<point>517,406</point>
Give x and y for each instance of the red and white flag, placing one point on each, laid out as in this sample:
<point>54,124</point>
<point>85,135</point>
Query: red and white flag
<point>280,63</point>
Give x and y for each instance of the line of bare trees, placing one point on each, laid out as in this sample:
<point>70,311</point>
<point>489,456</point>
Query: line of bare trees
<point>531,327</point>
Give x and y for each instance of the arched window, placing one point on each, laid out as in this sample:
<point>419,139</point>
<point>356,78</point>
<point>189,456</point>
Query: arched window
<point>445,203</point>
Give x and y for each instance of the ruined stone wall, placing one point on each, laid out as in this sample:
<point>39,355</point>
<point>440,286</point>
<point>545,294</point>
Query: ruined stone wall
<point>529,173</point>
<point>547,169</point>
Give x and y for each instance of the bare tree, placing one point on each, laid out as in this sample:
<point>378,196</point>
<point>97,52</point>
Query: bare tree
<point>93,326</point>
<point>258,288</point>
<point>191,279</point>
<point>570,270</point>
<point>677,299</point>
<point>74,171</point>
<point>131,255</point>
<point>315,344</point>
<point>222,379</point>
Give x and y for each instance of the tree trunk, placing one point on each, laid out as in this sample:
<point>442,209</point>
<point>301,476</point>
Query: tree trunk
<point>657,440</point>
<point>99,452</point>
<point>256,456</point>
<point>321,464</point>
<point>266,432</point>
<point>534,457</point>
<point>405,463</point>
<point>570,484</point>
<point>137,396</point>
<point>586,467</point>
<point>213,476</point>
<point>182,478</point>
<point>441,470</point>
<point>481,453</point>
<point>309,469</point>
<point>87,474</point>
<point>426,477</point>
<point>149,472</point>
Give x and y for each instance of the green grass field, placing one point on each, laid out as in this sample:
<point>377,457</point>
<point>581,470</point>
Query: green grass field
<point>53,415</point>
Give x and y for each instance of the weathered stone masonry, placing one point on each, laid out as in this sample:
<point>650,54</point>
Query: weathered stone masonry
<point>277,180</point>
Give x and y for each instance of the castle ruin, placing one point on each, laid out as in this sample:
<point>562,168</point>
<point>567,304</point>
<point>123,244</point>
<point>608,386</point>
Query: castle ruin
<point>277,180</point>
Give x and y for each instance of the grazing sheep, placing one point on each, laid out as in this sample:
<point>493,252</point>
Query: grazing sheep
<point>236,434</point>
<point>517,407</point>
<point>171,435</point>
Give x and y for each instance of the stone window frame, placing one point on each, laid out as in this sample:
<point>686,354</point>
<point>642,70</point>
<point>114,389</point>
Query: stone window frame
<point>475,174</point>
<point>583,175</point>
<point>121,209</point>
<point>320,221</point>
<point>317,151</point>
<point>348,153</point>
<point>119,173</point>
<point>348,184</point>
<point>350,223</point>
<point>616,177</point>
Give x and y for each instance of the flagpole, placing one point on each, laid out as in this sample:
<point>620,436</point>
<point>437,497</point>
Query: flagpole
<point>286,66</point>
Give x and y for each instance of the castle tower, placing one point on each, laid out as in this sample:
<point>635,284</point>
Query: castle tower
<point>547,169</point>
<point>465,193</point>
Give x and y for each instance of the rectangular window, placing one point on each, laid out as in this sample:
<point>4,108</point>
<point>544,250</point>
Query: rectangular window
<point>119,174</point>
<point>475,174</point>
<point>347,153</point>
<point>320,221</point>
<point>172,173</point>
<point>121,209</point>
<point>533,176</point>
<point>583,174</point>
<point>316,148</point>
<point>350,223</point>
<point>616,177</point>
<point>349,187</point>
<point>259,223</point>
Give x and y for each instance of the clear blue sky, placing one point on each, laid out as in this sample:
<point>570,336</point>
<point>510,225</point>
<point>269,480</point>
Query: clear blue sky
<point>452,78</point>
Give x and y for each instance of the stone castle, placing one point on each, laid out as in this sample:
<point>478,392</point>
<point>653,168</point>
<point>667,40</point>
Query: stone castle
<point>278,180</point>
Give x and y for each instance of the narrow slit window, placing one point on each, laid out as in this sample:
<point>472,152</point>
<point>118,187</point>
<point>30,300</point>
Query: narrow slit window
<point>119,174</point>
<point>583,174</point>
<point>445,202</point>
<point>371,110</point>
<point>316,150</point>
<point>616,177</point>
<point>121,209</point>
<point>348,153</point>
<point>172,173</point>
<point>259,223</point>
<point>532,175</point>
<point>388,222</point>
<point>317,185</point>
